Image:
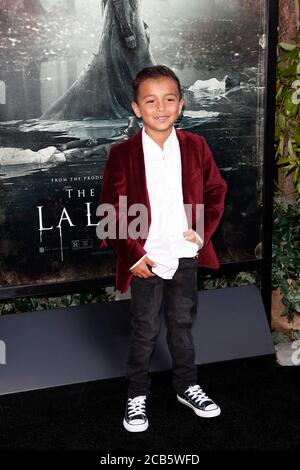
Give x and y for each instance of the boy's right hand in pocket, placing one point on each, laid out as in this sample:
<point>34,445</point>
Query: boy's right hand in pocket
<point>141,269</point>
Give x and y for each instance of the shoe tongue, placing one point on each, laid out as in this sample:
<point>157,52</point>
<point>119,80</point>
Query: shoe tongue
<point>140,398</point>
<point>137,403</point>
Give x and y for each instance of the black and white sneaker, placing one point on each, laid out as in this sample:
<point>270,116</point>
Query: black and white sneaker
<point>201,404</point>
<point>135,419</point>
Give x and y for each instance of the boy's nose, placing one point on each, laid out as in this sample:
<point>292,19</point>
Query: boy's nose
<point>160,106</point>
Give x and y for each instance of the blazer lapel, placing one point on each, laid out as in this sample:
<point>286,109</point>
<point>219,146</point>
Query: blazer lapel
<point>185,175</point>
<point>138,173</point>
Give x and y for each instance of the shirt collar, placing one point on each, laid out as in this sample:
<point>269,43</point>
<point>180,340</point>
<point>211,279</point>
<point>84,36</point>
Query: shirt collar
<point>150,144</point>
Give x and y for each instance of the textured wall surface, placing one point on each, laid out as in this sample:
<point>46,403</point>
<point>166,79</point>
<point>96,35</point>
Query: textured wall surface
<point>288,16</point>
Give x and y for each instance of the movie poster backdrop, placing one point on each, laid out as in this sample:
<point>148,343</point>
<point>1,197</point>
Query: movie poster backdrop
<point>65,92</point>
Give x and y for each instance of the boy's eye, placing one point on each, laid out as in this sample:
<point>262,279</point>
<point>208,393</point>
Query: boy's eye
<point>171,99</point>
<point>151,101</point>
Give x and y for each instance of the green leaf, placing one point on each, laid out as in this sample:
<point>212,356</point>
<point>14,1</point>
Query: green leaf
<point>279,93</point>
<point>281,121</point>
<point>291,109</point>
<point>296,135</point>
<point>287,47</point>
<point>296,175</point>
<point>283,161</point>
<point>291,150</point>
<point>280,148</point>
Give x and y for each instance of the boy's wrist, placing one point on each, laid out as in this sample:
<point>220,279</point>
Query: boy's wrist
<point>199,240</point>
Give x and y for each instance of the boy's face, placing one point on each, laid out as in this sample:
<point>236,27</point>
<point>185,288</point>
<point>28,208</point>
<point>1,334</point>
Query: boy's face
<point>159,104</point>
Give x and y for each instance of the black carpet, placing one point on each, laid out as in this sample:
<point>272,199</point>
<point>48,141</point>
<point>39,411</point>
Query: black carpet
<point>259,400</point>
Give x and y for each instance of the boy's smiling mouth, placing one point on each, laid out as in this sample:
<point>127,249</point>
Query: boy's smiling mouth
<point>162,118</point>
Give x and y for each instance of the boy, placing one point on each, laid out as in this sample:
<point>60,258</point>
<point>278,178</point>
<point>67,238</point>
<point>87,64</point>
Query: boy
<point>162,169</point>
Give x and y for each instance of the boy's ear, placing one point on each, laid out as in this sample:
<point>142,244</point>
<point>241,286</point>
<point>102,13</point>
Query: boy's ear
<point>136,109</point>
<point>181,105</point>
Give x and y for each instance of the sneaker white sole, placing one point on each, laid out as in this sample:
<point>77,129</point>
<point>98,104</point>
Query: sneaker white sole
<point>203,414</point>
<point>135,427</point>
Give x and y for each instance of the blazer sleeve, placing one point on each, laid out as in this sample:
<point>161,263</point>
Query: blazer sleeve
<point>214,191</point>
<point>114,185</point>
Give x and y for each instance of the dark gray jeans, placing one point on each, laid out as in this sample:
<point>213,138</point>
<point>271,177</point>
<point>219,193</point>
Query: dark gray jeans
<point>179,296</point>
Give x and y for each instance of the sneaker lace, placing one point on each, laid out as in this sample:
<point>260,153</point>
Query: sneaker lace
<point>136,406</point>
<point>197,394</point>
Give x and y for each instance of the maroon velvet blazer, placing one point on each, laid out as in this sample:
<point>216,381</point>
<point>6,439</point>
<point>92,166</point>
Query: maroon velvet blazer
<point>125,174</point>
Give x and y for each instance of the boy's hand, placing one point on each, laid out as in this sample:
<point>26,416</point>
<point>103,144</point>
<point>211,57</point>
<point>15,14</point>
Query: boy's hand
<point>190,235</point>
<point>141,269</point>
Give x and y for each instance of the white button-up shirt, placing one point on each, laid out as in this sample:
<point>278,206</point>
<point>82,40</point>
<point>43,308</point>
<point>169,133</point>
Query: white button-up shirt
<point>165,243</point>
